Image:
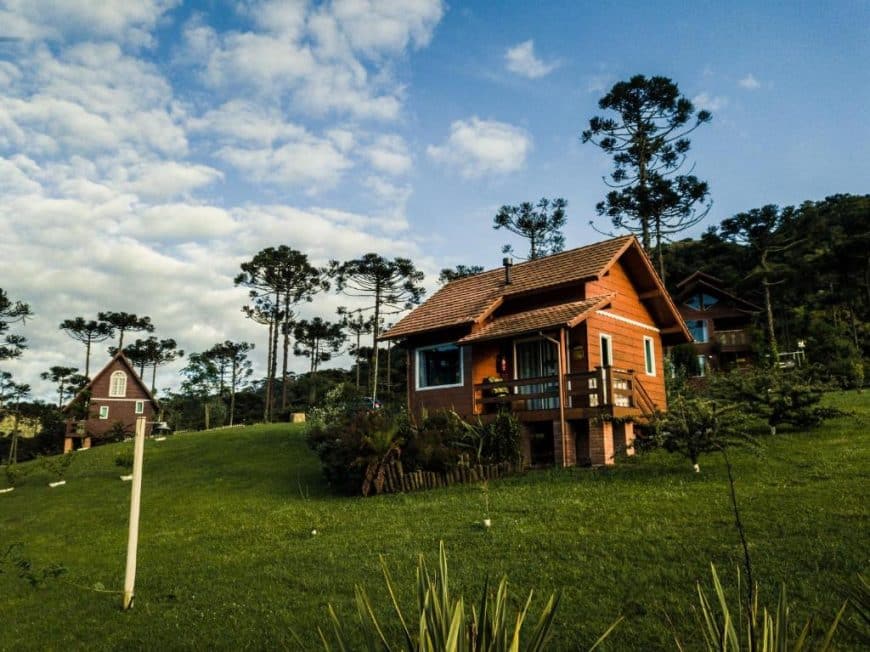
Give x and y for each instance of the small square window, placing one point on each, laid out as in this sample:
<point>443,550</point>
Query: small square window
<point>140,407</point>
<point>104,411</point>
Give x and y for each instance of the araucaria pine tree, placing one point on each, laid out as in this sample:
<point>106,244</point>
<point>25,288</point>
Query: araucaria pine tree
<point>648,143</point>
<point>390,286</point>
<point>541,224</point>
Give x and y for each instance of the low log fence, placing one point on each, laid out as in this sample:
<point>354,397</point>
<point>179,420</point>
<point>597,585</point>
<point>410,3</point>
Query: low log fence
<point>396,480</point>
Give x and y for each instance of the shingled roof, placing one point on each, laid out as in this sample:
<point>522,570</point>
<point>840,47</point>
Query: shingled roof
<point>531,321</point>
<point>471,299</point>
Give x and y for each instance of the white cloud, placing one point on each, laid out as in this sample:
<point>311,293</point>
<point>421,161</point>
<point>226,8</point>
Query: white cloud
<point>709,102</point>
<point>479,147</point>
<point>389,154</point>
<point>331,58</point>
<point>120,188</point>
<point>749,82</point>
<point>123,20</point>
<point>521,59</point>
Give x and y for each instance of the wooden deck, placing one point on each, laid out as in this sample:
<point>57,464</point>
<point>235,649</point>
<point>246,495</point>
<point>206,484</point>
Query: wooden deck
<point>605,390</point>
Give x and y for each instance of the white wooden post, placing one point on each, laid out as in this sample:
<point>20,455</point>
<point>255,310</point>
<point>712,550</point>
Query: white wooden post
<point>135,499</point>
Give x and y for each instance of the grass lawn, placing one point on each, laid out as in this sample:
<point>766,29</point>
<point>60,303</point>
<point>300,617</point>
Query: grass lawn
<point>227,559</point>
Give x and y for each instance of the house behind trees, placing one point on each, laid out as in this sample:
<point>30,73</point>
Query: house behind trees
<point>572,344</point>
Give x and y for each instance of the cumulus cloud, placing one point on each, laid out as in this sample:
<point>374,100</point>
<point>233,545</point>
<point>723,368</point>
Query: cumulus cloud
<point>327,59</point>
<point>389,154</point>
<point>749,82</point>
<point>126,21</point>
<point>709,102</point>
<point>122,190</point>
<point>478,147</point>
<point>521,59</point>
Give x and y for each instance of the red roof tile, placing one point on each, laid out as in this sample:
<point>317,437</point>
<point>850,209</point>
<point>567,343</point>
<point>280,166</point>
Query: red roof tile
<point>565,314</point>
<point>470,299</point>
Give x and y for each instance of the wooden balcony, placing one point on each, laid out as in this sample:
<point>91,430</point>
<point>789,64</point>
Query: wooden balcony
<point>734,339</point>
<point>606,390</point>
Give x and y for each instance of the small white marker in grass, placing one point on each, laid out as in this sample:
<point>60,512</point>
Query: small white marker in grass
<point>487,523</point>
<point>314,533</point>
<point>7,490</point>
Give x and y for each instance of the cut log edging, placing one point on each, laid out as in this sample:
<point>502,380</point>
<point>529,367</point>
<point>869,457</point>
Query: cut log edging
<point>396,480</point>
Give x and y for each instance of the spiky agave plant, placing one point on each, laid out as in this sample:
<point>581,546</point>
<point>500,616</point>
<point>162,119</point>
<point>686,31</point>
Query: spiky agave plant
<point>442,623</point>
<point>753,629</point>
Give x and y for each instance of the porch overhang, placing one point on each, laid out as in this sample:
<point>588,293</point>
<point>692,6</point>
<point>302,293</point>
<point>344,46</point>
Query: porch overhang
<point>534,321</point>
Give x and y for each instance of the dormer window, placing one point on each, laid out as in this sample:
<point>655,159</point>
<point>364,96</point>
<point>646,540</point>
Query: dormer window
<point>702,301</point>
<point>118,384</point>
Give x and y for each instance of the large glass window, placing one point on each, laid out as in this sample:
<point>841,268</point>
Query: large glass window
<point>118,384</point>
<point>698,329</point>
<point>439,366</point>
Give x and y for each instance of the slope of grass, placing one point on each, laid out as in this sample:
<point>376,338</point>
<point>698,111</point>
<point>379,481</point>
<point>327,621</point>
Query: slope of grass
<point>228,561</point>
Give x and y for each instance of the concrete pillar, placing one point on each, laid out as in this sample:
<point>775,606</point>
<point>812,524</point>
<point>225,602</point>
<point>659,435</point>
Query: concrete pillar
<point>67,444</point>
<point>629,438</point>
<point>526,446</point>
<point>600,442</point>
<point>86,443</point>
<point>570,439</point>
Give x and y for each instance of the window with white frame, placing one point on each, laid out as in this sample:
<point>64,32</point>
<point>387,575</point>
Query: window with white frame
<point>649,356</point>
<point>104,411</point>
<point>118,384</point>
<point>140,407</point>
<point>439,366</point>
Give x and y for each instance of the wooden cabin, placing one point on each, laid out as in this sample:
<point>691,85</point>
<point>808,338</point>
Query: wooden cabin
<point>720,322</point>
<point>116,395</point>
<point>571,344</point>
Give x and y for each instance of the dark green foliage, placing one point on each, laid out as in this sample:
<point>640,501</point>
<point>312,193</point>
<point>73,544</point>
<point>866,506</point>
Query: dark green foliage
<point>815,276</point>
<point>694,425</point>
<point>684,359</point>
<point>436,445</point>
<point>11,312</point>
<point>541,224</point>
<point>342,448</point>
<point>460,271</point>
<point>788,397</point>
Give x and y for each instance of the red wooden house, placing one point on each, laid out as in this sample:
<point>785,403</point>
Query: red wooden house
<point>570,343</point>
<point>719,321</point>
<point>115,395</point>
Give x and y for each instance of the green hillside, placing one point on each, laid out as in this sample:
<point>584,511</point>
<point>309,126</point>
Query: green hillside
<point>228,560</point>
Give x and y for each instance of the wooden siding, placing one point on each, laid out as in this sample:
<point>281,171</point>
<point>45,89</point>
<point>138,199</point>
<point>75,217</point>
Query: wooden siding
<point>121,409</point>
<point>626,338</point>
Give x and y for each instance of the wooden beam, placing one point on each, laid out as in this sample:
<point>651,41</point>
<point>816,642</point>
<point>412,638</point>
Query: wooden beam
<point>650,294</point>
<point>671,330</point>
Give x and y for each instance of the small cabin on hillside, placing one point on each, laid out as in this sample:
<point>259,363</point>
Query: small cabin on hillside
<point>571,344</point>
<point>111,401</point>
<point>720,322</point>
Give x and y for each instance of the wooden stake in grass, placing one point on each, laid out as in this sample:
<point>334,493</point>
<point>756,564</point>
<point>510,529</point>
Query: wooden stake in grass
<point>135,498</point>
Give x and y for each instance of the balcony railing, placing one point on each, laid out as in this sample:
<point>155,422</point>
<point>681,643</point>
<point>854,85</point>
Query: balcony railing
<point>605,387</point>
<point>733,338</point>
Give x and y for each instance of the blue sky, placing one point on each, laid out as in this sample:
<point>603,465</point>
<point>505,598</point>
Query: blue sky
<point>147,148</point>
